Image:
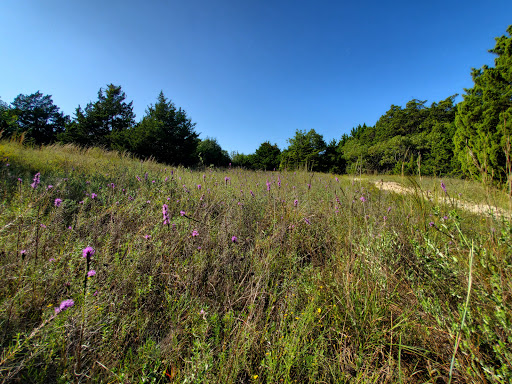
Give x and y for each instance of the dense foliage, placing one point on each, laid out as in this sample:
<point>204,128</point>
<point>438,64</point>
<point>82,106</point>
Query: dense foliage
<point>484,118</point>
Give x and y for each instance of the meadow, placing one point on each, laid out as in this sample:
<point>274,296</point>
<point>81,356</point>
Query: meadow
<point>119,270</point>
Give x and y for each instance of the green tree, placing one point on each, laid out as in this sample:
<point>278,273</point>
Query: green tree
<point>211,153</point>
<point>484,118</point>
<point>7,119</point>
<point>267,156</point>
<point>165,133</point>
<point>104,122</point>
<point>304,150</point>
<point>38,117</point>
<point>242,160</point>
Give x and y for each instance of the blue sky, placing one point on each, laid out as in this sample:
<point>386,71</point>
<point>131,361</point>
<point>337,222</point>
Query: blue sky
<point>250,71</point>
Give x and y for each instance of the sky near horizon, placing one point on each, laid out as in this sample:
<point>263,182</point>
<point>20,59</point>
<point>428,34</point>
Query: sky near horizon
<point>250,71</point>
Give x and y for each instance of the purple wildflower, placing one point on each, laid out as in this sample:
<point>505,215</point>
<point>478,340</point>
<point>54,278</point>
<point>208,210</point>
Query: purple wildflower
<point>88,252</point>
<point>64,305</point>
<point>443,187</point>
<point>93,195</point>
<point>362,198</point>
<point>183,213</point>
<point>195,233</point>
<point>147,237</point>
<point>57,202</point>
<point>431,224</point>
<point>49,187</point>
<point>36,180</point>
<point>165,212</point>
<point>91,273</point>
<point>23,252</point>
<point>309,186</point>
<point>295,202</point>
<point>234,239</point>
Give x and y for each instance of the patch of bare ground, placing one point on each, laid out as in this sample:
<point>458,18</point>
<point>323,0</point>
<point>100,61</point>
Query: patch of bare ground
<point>481,209</point>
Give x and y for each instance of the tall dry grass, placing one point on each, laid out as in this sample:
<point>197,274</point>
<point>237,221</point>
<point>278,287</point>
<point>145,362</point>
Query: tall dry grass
<point>258,277</point>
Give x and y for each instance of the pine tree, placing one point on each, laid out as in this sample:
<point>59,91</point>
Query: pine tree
<point>484,118</point>
<point>166,134</point>
<point>38,118</point>
<point>104,122</point>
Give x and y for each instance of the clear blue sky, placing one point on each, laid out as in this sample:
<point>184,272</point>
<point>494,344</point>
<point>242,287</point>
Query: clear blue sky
<point>250,71</point>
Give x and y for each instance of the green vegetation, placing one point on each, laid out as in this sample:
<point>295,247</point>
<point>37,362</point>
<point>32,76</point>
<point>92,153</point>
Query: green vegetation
<point>470,139</point>
<point>258,277</point>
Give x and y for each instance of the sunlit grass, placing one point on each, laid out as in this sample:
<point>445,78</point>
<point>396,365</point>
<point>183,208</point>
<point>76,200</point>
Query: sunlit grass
<point>349,284</point>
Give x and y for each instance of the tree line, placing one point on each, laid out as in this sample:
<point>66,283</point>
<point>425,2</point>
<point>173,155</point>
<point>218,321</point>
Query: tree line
<point>471,138</point>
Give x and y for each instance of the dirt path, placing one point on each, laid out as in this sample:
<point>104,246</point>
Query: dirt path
<point>482,209</point>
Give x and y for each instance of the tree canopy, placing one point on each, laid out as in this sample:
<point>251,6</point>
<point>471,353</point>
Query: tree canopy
<point>484,118</point>
<point>37,117</point>
<point>165,133</point>
<point>103,122</point>
<point>305,150</point>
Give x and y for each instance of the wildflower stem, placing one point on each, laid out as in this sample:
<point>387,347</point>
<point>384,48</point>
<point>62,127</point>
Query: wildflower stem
<point>466,305</point>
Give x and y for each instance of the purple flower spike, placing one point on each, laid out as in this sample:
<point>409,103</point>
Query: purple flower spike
<point>88,252</point>
<point>36,180</point>
<point>165,212</point>
<point>295,202</point>
<point>443,187</point>
<point>57,202</point>
<point>64,305</point>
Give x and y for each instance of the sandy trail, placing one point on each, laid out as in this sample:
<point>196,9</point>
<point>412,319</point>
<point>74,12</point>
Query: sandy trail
<point>481,209</point>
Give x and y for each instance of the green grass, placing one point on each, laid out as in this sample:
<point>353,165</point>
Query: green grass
<point>335,292</point>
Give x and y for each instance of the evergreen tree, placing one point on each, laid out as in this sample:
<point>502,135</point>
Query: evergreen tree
<point>38,118</point>
<point>484,118</point>
<point>104,122</point>
<point>266,157</point>
<point>165,133</point>
<point>7,120</point>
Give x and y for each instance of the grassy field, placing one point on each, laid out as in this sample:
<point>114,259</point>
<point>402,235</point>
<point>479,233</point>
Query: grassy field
<point>252,277</point>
